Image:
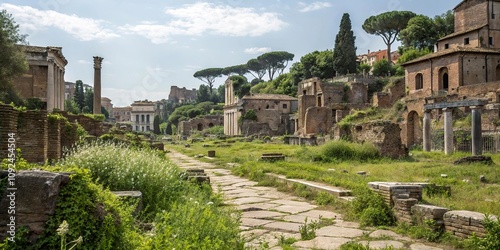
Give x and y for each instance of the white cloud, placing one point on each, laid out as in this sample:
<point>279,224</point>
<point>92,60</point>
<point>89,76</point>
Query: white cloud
<point>314,6</point>
<point>81,61</point>
<point>208,18</point>
<point>256,50</point>
<point>84,29</point>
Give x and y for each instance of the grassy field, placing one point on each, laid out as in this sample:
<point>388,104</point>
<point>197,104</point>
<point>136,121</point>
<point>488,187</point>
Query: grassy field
<point>467,192</point>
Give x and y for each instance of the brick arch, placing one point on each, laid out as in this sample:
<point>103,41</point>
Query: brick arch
<point>444,79</point>
<point>413,129</point>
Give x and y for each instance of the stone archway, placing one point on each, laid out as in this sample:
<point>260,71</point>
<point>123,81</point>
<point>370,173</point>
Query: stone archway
<point>413,129</point>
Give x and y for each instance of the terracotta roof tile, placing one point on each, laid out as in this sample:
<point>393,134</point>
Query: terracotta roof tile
<point>269,97</point>
<point>452,51</point>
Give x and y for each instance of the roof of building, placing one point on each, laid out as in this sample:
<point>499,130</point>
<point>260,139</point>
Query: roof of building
<point>269,97</point>
<point>41,49</point>
<point>452,51</point>
<point>464,1</point>
<point>463,32</point>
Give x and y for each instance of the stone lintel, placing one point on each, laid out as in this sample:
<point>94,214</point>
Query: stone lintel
<point>464,103</point>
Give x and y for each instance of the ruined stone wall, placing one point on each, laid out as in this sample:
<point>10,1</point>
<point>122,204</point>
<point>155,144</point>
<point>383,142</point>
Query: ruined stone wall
<point>92,126</point>
<point>199,124</point>
<point>68,135</point>
<point>8,124</point>
<point>358,93</point>
<point>305,101</point>
<point>54,139</point>
<point>36,197</point>
<point>382,100</point>
<point>464,224</point>
<point>33,83</point>
<point>318,120</point>
<point>256,128</point>
<point>384,135</point>
<point>182,94</point>
<point>32,135</point>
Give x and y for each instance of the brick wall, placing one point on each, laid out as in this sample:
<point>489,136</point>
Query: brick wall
<point>385,135</point>
<point>32,135</point>
<point>54,139</point>
<point>465,223</point>
<point>92,126</point>
<point>68,135</point>
<point>8,124</point>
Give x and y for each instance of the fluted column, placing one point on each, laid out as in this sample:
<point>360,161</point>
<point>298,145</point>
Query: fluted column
<point>97,84</point>
<point>63,88</point>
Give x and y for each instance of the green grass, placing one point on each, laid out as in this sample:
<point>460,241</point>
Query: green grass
<point>467,192</point>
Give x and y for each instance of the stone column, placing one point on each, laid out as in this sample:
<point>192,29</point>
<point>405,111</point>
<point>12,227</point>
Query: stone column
<point>50,85</point>
<point>448,131</point>
<point>427,130</point>
<point>97,84</point>
<point>477,137</point>
<point>63,88</point>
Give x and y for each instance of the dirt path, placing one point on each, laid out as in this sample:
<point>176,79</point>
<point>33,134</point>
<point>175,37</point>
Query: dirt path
<point>269,215</point>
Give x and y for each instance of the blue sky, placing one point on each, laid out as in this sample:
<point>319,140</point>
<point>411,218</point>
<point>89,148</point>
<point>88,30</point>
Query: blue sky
<point>150,45</point>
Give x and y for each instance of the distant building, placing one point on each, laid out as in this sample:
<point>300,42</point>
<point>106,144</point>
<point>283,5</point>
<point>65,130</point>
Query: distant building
<point>273,113</point>
<point>142,115</point>
<point>106,104</point>
<point>182,95</point>
<point>69,92</point>
<point>372,57</point>
<point>45,77</point>
<point>122,114</point>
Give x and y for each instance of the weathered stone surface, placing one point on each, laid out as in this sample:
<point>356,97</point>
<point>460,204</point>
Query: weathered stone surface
<point>335,231</point>
<point>420,246</point>
<point>380,244</point>
<point>248,200</point>
<point>474,159</point>
<point>294,209</point>
<point>283,226</point>
<point>322,243</point>
<point>249,222</point>
<point>263,214</point>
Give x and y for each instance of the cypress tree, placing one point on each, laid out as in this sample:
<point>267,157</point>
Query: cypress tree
<point>79,96</point>
<point>344,53</point>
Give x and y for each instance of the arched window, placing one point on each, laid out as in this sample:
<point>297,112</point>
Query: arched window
<point>443,79</point>
<point>419,81</point>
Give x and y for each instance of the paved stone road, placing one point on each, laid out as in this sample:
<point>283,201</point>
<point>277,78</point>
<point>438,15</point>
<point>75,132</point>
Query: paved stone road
<point>268,215</point>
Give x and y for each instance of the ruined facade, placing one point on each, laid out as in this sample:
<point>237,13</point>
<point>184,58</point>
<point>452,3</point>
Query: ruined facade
<point>45,77</point>
<point>272,112</point>
<point>465,66</point>
<point>122,114</point>
<point>324,103</point>
<point>182,95</point>
<point>186,128</point>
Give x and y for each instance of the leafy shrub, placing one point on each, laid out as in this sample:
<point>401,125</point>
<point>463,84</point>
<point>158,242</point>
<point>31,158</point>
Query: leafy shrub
<point>119,167</point>
<point>195,222</point>
<point>371,209</point>
<point>308,230</point>
<point>215,130</point>
<point>93,213</point>
<point>492,239</point>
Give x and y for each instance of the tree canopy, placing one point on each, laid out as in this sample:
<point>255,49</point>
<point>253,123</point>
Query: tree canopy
<point>388,25</point>
<point>241,86</point>
<point>275,62</point>
<point>241,69</point>
<point>344,53</point>
<point>423,32</point>
<point>256,68</point>
<point>208,76</point>
<point>12,60</point>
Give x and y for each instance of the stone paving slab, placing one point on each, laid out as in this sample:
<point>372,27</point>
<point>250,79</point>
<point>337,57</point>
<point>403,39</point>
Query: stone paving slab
<point>323,243</point>
<point>256,206</point>
<point>336,231</point>
<point>388,233</point>
<point>380,244</point>
<point>316,214</point>
<point>263,214</point>
<point>247,200</point>
<point>283,226</point>
<point>249,222</point>
<point>420,246</point>
<point>294,209</point>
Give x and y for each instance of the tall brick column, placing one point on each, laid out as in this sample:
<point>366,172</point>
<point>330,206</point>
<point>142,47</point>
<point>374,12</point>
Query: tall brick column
<point>448,131</point>
<point>97,84</point>
<point>427,130</point>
